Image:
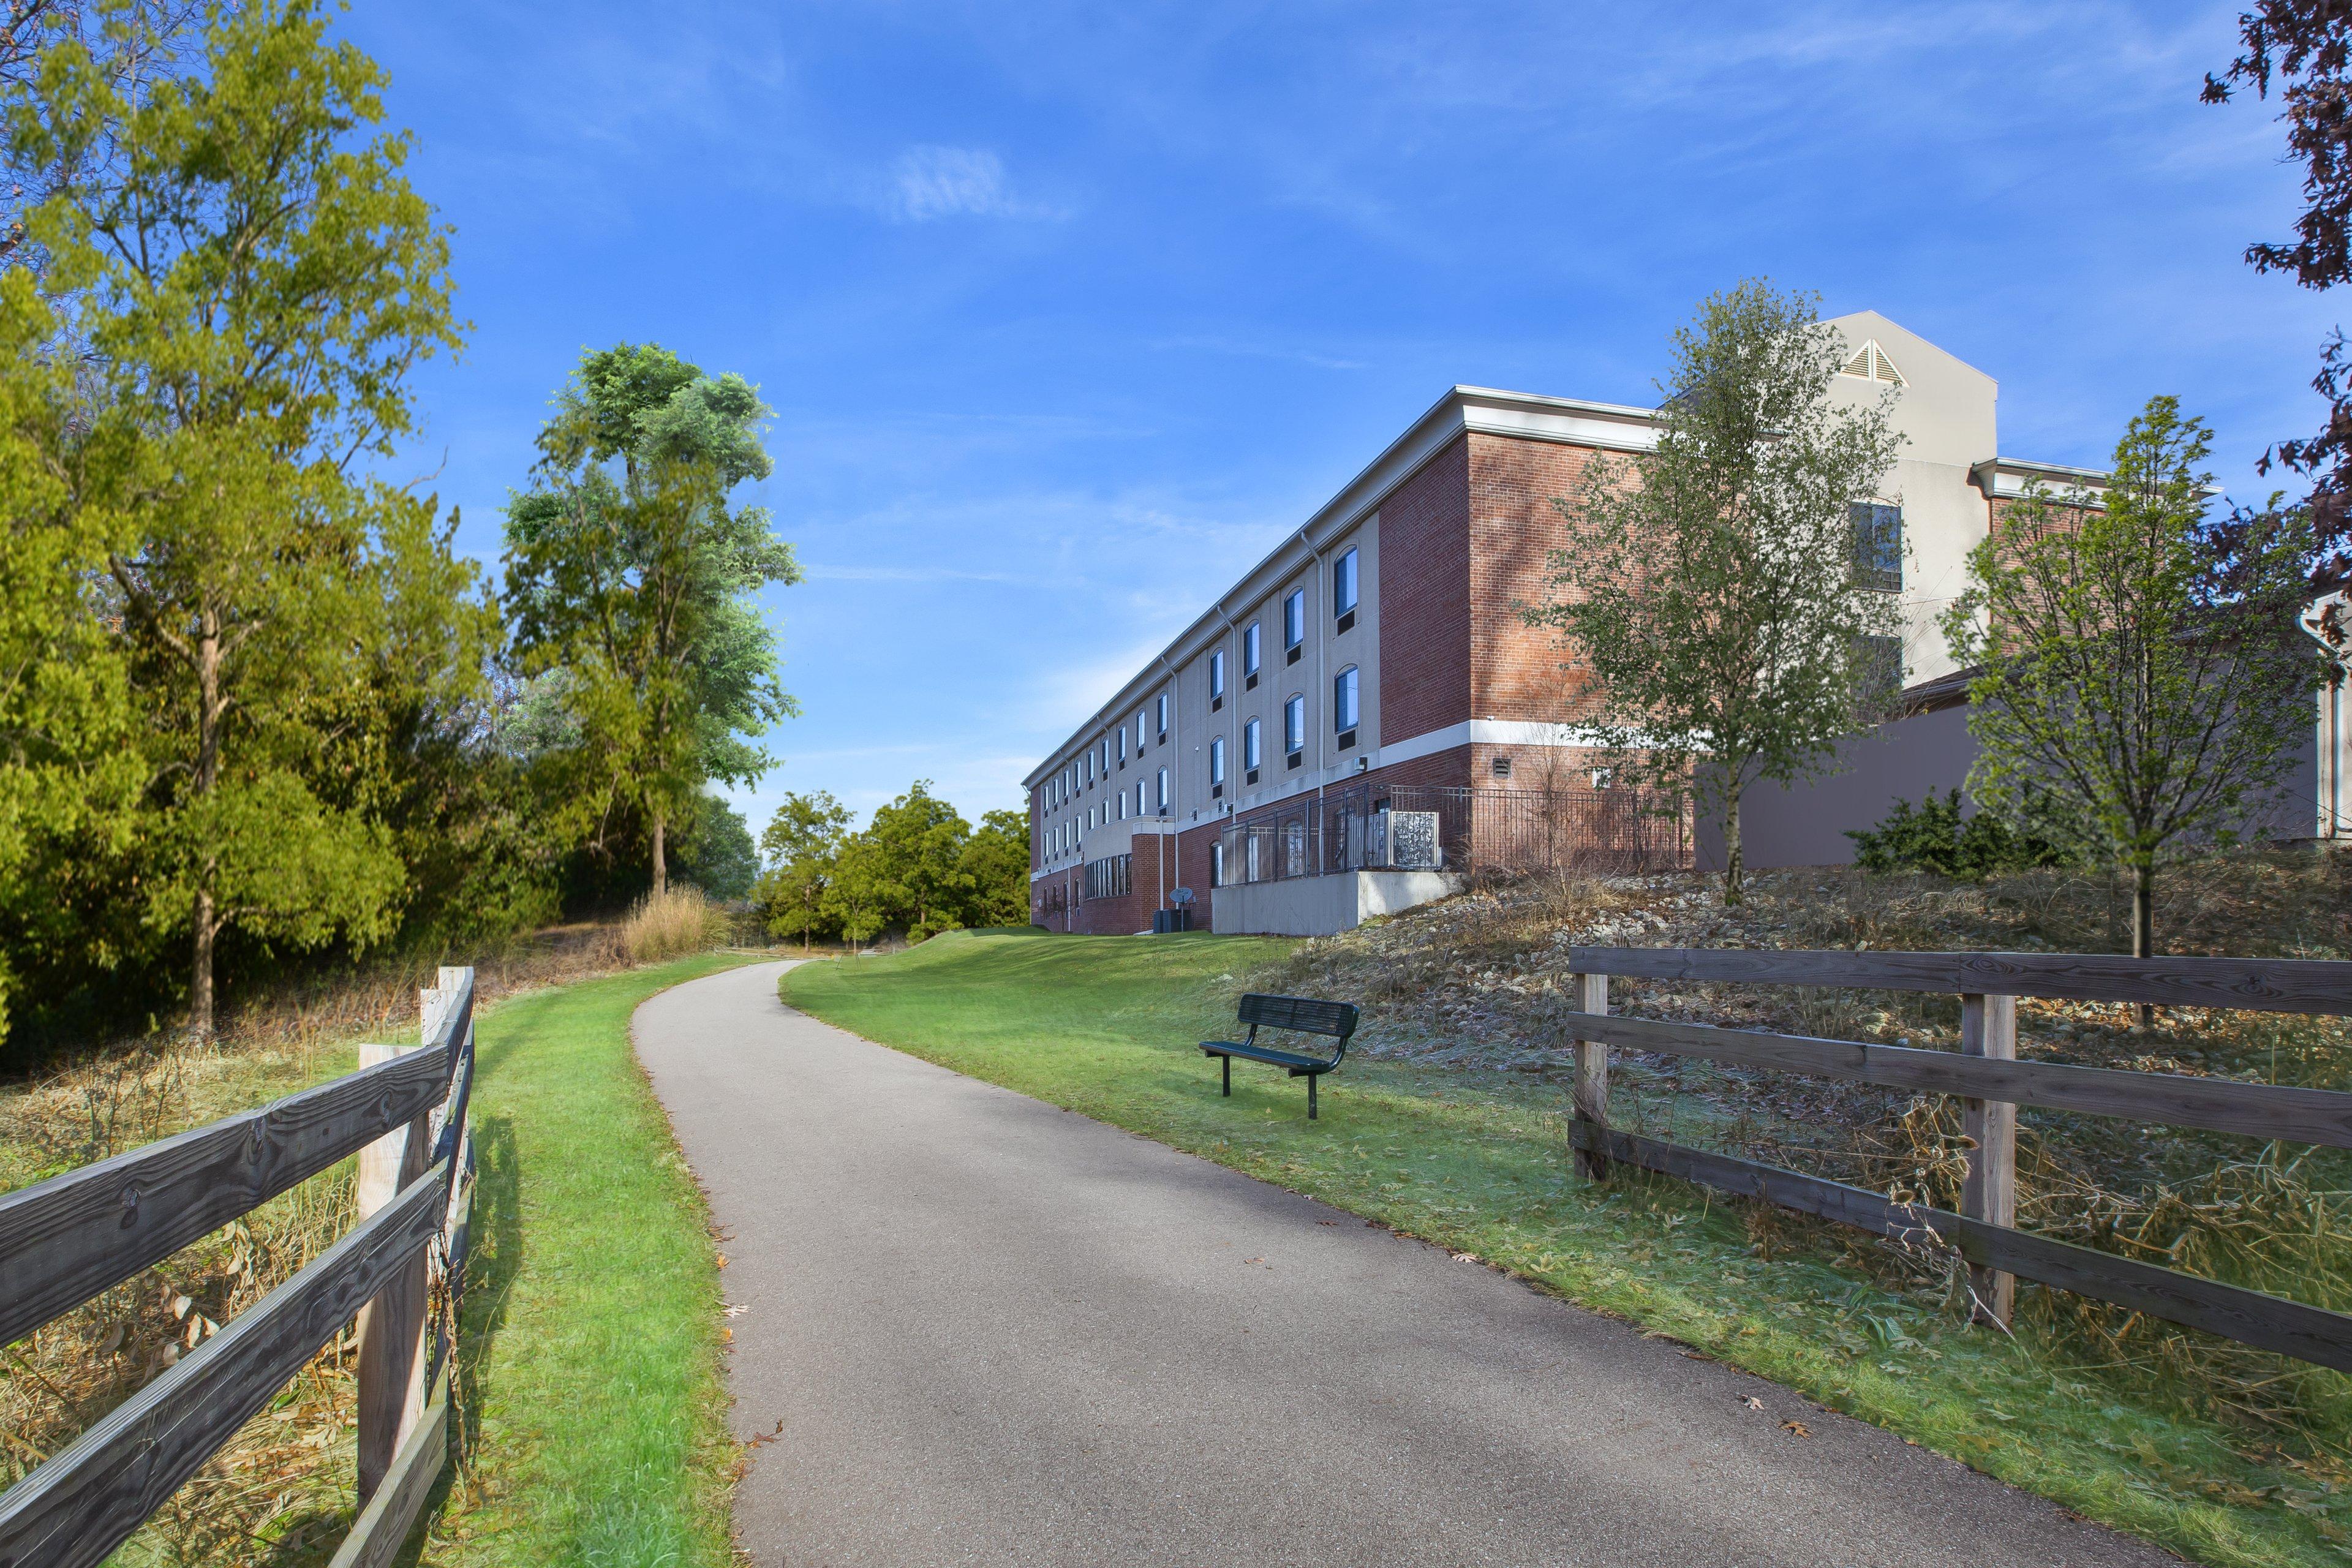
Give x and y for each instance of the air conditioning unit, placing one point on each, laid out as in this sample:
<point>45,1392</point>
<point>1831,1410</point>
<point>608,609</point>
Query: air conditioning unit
<point>1400,841</point>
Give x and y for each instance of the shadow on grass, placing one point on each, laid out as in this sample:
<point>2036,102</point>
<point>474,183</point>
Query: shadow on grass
<point>491,1270</point>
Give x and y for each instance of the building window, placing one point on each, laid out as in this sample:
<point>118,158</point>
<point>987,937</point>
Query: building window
<point>1343,586</point>
<point>1502,766</point>
<point>1877,545</point>
<point>1122,745</point>
<point>1217,679</point>
<point>1122,803</point>
<point>1161,798</point>
<point>1217,864</point>
<point>1139,807</point>
<point>1252,643</point>
<point>1217,765</point>
<point>1343,700</point>
<point>1603,778</point>
<point>1251,755</point>
<point>1161,713</point>
<point>1139,732</point>
<point>1294,728</point>
<point>1294,622</point>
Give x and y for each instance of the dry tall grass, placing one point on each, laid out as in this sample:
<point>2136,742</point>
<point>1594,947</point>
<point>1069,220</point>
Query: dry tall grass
<point>673,924</point>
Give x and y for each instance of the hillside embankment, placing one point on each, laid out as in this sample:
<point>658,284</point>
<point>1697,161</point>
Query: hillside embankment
<point>1478,984</point>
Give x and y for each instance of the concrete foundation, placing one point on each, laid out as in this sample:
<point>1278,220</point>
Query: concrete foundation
<point>1320,905</point>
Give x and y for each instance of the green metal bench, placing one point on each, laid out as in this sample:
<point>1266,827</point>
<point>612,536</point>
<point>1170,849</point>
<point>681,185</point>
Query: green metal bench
<point>1300,1015</point>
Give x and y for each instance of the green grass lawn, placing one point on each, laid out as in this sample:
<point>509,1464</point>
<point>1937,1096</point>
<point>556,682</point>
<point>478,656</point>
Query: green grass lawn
<point>591,1370</point>
<point>1108,1026</point>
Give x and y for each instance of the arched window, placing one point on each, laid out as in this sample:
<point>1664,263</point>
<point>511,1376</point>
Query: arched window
<point>1217,764</point>
<point>1251,754</point>
<point>1294,727</point>
<point>1344,711</point>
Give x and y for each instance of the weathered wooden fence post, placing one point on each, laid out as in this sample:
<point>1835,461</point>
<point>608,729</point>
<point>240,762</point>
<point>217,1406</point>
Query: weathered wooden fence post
<point>1592,1080</point>
<point>1988,1028</point>
<point>391,1326</point>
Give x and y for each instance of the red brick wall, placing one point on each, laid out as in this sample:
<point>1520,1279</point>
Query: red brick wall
<point>1516,670</point>
<point>1122,916</point>
<point>1424,582</point>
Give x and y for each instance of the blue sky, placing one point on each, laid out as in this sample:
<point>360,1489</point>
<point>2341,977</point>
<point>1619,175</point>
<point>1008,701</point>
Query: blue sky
<point>1069,312</point>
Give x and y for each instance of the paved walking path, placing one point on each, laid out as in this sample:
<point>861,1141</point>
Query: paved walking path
<point>996,1332</point>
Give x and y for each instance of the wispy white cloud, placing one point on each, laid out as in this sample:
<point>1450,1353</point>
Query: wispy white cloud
<point>931,183</point>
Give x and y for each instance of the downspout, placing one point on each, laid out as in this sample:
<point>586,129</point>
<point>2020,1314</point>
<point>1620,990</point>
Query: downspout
<point>1322,695</point>
<point>1175,724</point>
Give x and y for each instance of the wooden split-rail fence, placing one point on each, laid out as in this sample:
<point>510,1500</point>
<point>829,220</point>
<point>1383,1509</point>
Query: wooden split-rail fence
<point>68,1239</point>
<point>1992,1083</point>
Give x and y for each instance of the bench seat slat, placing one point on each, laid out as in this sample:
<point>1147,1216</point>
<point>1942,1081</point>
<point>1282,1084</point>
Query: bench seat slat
<point>1267,1054</point>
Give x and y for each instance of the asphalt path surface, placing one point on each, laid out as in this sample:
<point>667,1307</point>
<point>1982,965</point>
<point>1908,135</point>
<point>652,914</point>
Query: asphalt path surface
<point>983,1329</point>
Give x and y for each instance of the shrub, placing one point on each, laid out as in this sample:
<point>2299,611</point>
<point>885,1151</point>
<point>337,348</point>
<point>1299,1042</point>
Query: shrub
<point>1933,837</point>
<point>676,922</point>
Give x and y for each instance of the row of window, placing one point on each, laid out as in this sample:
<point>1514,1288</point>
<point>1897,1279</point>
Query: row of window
<point>1347,707</point>
<point>1346,576</point>
<point>1110,752</point>
<point>1148,798</point>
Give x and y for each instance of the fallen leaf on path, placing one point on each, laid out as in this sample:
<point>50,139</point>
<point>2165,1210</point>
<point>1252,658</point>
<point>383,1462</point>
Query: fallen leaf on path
<point>1798,1428</point>
<point>1752,1402</point>
<point>766,1437</point>
<point>1465,1258</point>
<point>737,1311</point>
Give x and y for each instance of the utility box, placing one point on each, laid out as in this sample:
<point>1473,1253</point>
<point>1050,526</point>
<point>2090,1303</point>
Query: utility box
<point>1398,841</point>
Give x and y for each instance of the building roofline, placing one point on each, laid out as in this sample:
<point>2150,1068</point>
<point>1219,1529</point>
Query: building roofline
<point>1462,410</point>
<point>2006,479</point>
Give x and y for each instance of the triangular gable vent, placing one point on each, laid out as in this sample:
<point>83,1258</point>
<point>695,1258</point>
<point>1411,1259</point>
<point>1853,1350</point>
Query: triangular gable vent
<point>1871,363</point>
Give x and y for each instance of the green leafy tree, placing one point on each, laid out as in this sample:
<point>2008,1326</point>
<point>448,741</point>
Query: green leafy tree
<point>1713,591</point>
<point>859,895</point>
<point>71,774</point>
<point>801,843</point>
<point>2143,680</point>
<point>920,841</point>
<point>995,866</point>
<point>718,854</point>
<point>630,571</point>
<point>251,284</point>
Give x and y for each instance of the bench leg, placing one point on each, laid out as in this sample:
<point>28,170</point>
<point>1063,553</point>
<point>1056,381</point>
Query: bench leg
<point>1311,1094</point>
<point>1229,1076</point>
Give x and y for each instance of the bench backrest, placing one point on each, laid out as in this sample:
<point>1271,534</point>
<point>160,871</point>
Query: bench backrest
<point>1308,1015</point>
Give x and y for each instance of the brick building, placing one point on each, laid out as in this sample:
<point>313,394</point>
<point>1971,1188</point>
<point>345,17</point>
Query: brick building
<point>1376,661</point>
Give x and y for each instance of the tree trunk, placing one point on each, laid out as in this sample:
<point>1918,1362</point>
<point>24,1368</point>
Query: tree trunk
<point>2144,927</point>
<point>1733,863</point>
<point>208,774</point>
<point>661,863</point>
<point>200,986</point>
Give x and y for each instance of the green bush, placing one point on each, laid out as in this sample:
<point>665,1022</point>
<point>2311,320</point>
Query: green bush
<point>1933,837</point>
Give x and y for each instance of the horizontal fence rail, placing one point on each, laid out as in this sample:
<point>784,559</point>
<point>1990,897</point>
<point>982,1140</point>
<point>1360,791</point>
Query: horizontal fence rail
<point>1985,1075</point>
<point>2217,1104</point>
<point>87,1499</point>
<point>65,1241</point>
<point>2254,984</point>
<point>2249,1317</point>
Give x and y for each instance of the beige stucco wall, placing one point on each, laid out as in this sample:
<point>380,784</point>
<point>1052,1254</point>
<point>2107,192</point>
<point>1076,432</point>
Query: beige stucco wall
<point>1946,411</point>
